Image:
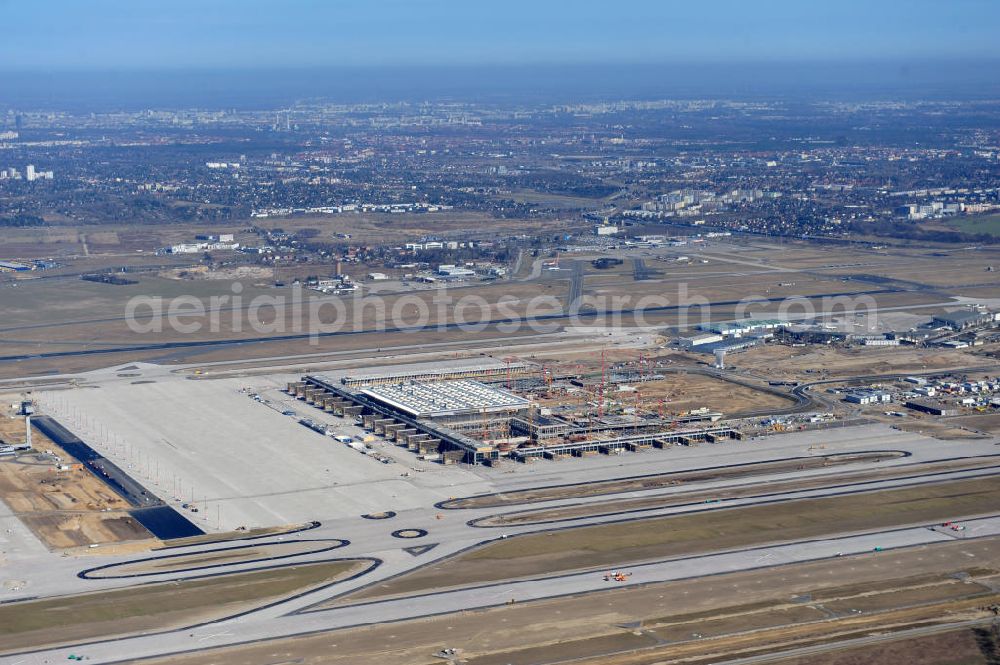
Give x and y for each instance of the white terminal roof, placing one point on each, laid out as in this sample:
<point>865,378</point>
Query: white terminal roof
<point>444,398</point>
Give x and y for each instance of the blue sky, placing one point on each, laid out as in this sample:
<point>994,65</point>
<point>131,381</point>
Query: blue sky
<point>131,34</point>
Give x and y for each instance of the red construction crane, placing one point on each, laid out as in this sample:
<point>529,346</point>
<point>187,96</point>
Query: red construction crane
<point>635,420</point>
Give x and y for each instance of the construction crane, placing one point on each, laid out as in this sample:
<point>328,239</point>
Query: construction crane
<point>510,360</point>
<point>485,434</point>
<point>635,420</point>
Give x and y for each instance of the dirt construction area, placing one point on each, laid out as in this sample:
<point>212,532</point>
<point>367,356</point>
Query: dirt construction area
<point>813,363</point>
<point>63,504</point>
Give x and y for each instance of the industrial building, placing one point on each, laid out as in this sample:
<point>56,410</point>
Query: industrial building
<point>868,396</point>
<point>733,345</point>
<point>964,319</point>
<point>453,271</point>
<point>928,407</point>
<point>744,327</point>
<point>13,266</point>
<point>699,340</point>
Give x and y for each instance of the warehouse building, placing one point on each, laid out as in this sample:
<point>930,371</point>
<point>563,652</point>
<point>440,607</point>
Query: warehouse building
<point>963,320</point>
<point>13,266</point>
<point>928,407</point>
<point>868,396</point>
<point>744,327</point>
<point>699,340</point>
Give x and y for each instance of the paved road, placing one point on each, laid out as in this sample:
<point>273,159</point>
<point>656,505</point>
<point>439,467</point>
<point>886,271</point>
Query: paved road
<point>576,279</point>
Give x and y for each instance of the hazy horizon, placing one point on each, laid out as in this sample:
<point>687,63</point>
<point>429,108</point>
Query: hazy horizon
<point>248,88</point>
<point>255,53</point>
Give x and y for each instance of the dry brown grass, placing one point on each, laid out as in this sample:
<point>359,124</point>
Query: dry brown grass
<point>38,623</point>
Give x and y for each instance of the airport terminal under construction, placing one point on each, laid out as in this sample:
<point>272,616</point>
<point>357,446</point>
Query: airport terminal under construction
<point>469,421</point>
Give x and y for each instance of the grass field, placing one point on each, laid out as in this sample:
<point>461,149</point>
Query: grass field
<point>618,544</point>
<point>154,607</point>
<point>988,224</point>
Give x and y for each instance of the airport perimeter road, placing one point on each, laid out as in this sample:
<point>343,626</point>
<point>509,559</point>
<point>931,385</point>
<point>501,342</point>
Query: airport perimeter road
<point>252,627</point>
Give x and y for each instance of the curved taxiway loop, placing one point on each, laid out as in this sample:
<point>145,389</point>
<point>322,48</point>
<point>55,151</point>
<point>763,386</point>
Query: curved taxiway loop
<point>322,546</point>
<point>859,456</point>
<point>479,522</point>
<point>309,526</point>
<point>374,563</point>
<point>760,500</point>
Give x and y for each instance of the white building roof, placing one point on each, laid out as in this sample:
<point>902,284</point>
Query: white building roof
<point>441,398</point>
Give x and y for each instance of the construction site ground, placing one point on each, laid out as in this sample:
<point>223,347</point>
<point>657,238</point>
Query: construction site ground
<point>768,609</point>
<point>812,363</point>
<point>946,430</point>
<point>987,422</point>
<point>678,393</point>
<point>63,508</point>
